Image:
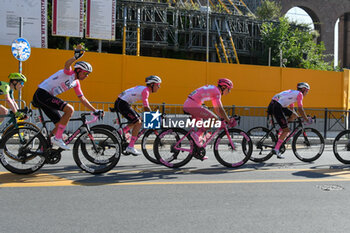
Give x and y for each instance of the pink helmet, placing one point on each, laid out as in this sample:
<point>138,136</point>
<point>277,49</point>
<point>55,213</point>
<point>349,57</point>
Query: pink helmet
<point>225,82</point>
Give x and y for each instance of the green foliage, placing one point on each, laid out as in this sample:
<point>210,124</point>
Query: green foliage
<point>297,43</point>
<point>269,10</point>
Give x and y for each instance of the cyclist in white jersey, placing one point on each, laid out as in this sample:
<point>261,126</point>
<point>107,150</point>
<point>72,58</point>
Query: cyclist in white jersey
<point>61,81</point>
<point>278,108</point>
<point>130,96</point>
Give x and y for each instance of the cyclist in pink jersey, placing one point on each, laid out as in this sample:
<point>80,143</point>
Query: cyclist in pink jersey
<point>61,81</point>
<point>278,108</point>
<point>193,104</point>
<point>130,96</point>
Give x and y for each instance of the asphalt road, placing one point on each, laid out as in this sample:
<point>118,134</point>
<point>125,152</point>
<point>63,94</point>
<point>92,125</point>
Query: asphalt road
<point>137,196</point>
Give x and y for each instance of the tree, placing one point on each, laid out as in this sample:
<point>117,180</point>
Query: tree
<point>269,10</point>
<point>297,43</point>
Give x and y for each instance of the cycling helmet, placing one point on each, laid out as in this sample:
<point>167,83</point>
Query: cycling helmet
<point>225,82</point>
<point>17,76</point>
<point>83,65</point>
<point>303,85</point>
<point>153,79</point>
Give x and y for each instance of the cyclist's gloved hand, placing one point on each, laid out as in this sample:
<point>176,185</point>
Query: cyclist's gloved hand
<point>99,113</point>
<point>20,115</point>
<point>232,123</point>
<point>78,53</point>
<point>309,121</point>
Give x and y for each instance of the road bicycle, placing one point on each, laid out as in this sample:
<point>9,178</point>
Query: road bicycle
<point>147,137</point>
<point>25,150</point>
<point>307,145</point>
<point>11,121</point>
<point>341,146</point>
<point>175,147</point>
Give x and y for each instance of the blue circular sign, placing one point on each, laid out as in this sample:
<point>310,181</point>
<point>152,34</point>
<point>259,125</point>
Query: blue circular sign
<point>21,49</point>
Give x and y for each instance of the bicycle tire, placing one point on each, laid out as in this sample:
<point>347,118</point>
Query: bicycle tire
<point>95,163</point>
<point>164,148</point>
<point>233,157</point>
<point>148,138</point>
<point>20,124</point>
<point>19,158</point>
<point>263,142</point>
<point>110,128</point>
<point>308,146</point>
<point>341,147</point>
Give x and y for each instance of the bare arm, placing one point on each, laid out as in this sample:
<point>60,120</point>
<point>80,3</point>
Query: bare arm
<point>12,103</point>
<point>86,103</point>
<point>302,113</point>
<point>147,109</point>
<point>220,111</point>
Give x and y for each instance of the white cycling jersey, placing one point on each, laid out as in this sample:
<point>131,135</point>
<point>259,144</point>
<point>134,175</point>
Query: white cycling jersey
<point>134,94</point>
<point>60,82</point>
<point>289,97</point>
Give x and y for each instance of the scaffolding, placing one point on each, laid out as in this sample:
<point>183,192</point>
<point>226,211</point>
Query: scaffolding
<point>182,26</point>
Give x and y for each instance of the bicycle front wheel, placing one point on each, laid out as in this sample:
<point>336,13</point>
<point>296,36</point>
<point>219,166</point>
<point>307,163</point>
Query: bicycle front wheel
<point>22,150</point>
<point>234,148</point>
<point>98,152</point>
<point>263,142</point>
<point>308,144</point>
<point>147,145</point>
<point>341,146</point>
<point>173,148</point>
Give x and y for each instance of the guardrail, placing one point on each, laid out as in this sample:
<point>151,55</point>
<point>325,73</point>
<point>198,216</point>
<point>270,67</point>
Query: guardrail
<point>329,121</point>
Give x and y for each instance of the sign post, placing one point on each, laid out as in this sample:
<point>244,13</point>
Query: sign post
<point>21,51</point>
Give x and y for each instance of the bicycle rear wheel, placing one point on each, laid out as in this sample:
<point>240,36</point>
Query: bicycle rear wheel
<point>341,147</point>
<point>22,150</point>
<point>97,153</point>
<point>263,142</point>
<point>147,145</point>
<point>234,149</point>
<point>171,153</point>
<point>308,144</point>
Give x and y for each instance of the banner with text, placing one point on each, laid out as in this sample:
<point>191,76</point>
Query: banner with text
<point>34,23</point>
<point>68,18</point>
<point>100,19</point>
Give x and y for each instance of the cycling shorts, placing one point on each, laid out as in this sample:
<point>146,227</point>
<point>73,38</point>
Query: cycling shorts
<point>275,109</point>
<point>126,110</point>
<point>197,111</point>
<point>49,104</point>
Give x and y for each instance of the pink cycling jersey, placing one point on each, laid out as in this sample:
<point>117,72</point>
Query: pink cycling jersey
<point>289,97</point>
<point>193,104</point>
<point>60,82</point>
<point>206,93</point>
<point>136,94</point>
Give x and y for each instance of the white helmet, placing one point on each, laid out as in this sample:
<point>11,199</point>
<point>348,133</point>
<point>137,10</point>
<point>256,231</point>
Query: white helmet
<point>83,65</point>
<point>153,79</point>
<point>303,85</point>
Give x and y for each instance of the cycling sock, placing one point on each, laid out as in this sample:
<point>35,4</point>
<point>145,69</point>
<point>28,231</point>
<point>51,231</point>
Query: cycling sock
<point>278,144</point>
<point>132,141</point>
<point>60,130</point>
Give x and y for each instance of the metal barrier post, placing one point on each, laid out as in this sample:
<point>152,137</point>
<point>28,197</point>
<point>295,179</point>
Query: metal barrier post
<point>233,110</point>
<point>325,122</point>
<point>163,107</point>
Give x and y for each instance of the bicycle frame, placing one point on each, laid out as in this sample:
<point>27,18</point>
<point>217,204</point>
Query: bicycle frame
<point>223,127</point>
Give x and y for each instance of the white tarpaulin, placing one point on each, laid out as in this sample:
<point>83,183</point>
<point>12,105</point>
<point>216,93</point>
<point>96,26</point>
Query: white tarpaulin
<point>68,18</point>
<point>34,13</point>
<point>100,19</point>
